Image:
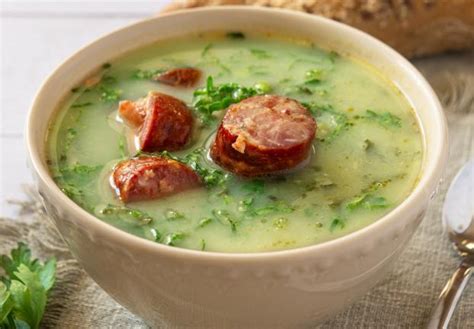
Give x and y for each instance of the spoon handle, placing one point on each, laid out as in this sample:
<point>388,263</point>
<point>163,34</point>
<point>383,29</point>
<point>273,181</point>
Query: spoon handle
<point>449,297</point>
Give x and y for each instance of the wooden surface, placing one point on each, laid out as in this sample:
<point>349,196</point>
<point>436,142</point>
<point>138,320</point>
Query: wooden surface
<point>35,37</point>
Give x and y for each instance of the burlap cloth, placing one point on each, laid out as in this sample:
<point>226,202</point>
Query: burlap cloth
<point>402,300</point>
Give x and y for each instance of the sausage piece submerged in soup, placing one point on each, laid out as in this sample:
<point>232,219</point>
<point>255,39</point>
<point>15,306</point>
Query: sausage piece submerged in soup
<point>343,151</point>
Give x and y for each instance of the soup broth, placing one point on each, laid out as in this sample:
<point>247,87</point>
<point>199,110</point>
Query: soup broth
<point>365,158</point>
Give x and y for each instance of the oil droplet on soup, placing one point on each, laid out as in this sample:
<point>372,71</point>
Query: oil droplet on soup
<point>365,159</point>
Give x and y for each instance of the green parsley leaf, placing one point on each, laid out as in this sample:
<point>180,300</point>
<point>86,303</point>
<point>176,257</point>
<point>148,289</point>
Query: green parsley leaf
<point>29,296</point>
<point>24,288</point>
<point>18,256</point>
<point>6,303</point>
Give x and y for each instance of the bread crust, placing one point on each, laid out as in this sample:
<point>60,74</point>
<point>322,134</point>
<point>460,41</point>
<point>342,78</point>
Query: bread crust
<point>414,27</point>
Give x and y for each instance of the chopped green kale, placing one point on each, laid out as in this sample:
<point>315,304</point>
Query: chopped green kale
<point>212,98</point>
<point>146,74</point>
<point>260,53</point>
<point>79,170</point>
<point>337,223</point>
<point>172,239</point>
<point>108,94</point>
<point>210,176</point>
<point>274,207</point>
<point>246,204</point>
<point>225,218</point>
<point>126,213</point>
<point>204,221</point>
<point>330,122</point>
<point>313,76</point>
<point>172,214</point>
<point>156,234</point>
<point>385,119</point>
<point>321,180</point>
<point>72,191</point>
<point>367,201</point>
<point>254,186</point>
<point>71,134</point>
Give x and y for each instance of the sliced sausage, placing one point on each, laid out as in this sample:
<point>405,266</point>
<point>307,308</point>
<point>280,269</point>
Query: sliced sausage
<point>133,113</point>
<point>162,122</point>
<point>147,178</point>
<point>263,135</point>
<point>180,77</point>
<point>168,124</point>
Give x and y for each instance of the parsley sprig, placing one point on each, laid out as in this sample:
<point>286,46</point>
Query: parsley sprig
<point>24,288</point>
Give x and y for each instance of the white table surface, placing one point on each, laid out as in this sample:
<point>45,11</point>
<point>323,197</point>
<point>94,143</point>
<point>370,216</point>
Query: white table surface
<point>35,37</point>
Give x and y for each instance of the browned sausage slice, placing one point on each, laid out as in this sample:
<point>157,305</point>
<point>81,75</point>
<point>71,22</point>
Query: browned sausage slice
<point>263,135</point>
<point>147,178</point>
<point>133,113</point>
<point>168,124</point>
<point>180,77</point>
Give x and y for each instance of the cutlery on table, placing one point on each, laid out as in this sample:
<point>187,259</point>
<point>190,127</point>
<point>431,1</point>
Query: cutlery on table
<point>458,218</point>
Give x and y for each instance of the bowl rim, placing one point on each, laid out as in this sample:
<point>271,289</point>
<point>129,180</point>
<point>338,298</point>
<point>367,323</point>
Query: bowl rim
<point>428,182</point>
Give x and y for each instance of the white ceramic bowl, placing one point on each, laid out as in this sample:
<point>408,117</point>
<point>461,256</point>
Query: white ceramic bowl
<point>182,288</point>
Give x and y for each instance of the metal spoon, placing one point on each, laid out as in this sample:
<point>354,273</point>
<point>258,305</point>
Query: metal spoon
<point>458,218</point>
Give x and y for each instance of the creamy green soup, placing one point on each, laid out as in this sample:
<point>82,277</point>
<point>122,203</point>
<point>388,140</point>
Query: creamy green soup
<point>365,160</point>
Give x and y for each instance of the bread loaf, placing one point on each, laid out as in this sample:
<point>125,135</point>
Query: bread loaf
<point>414,27</point>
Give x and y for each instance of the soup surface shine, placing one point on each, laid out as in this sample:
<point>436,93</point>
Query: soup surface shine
<point>365,159</point>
